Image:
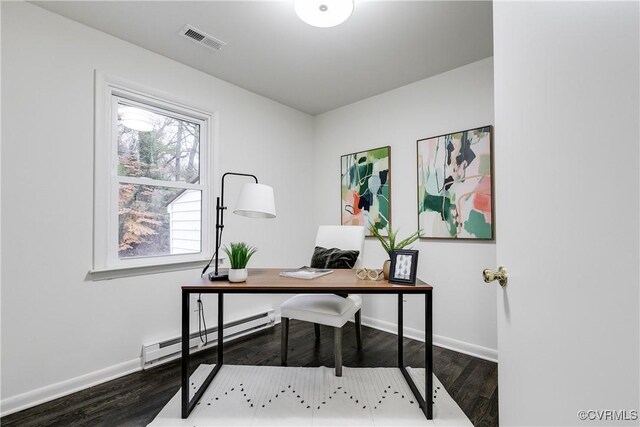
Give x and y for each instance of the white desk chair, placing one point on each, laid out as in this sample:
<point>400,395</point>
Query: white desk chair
<point>328,309</point>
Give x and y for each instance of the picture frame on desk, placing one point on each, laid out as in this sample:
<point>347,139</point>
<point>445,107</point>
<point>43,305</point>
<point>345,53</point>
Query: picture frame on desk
<point>404,267</point>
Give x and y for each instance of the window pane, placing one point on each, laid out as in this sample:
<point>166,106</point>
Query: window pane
<point>156,146</point>
<point>155,221</point>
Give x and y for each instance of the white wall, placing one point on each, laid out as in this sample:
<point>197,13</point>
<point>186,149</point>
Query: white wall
<point>567,100</point>
<point>464,307</point>
<point>56,325</point>
<point>0,204</point>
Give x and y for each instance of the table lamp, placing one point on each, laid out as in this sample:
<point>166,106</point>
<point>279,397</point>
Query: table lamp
<point>255,201</point>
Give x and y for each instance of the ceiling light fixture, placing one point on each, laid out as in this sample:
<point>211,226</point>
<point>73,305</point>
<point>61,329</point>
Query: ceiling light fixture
<point>323,13</point>
<point>136,119</point>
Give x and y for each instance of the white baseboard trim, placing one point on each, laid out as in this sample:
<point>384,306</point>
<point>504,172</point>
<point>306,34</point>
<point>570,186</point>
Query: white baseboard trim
<point>63,388</point>
<point>474,350</point>
<point>438,340</point>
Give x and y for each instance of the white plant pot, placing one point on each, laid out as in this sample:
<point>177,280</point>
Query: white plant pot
<point>237,275</point>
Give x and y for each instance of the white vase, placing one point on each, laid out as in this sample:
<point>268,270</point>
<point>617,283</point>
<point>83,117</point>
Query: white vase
<point>237,275</point>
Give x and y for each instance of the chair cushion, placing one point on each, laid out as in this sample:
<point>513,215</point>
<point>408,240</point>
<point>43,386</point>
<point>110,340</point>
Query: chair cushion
<point>333,258</point>
<point>324,309</point>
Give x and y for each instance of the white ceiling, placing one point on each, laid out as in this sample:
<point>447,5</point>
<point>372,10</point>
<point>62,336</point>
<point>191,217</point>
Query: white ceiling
<point>382,46</point>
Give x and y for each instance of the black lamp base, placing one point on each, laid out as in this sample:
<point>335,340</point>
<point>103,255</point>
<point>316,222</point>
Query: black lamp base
<point>220,277</point>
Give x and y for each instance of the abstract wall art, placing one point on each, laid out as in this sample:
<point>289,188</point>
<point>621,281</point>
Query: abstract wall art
<point>455,185</point>
<point>365,180</point>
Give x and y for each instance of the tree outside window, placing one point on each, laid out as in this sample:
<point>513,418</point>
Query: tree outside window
<point>159,210</point>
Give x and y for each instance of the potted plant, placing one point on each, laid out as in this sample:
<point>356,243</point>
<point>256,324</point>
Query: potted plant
<point>390,243</point>
<point>239,256</point>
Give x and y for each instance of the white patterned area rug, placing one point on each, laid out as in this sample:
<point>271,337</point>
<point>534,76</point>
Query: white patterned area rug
<point>283,396</point>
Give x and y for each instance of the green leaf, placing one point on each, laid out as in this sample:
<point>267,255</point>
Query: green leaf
<point>239,254</point>
<point>392,237</point>
<point>389,243</point>
<point>409,240</point>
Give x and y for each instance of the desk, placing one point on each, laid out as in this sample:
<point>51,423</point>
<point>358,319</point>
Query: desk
<point>269,281</point>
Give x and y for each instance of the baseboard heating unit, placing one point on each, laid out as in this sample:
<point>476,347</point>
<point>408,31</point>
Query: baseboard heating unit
<point>165,351</point>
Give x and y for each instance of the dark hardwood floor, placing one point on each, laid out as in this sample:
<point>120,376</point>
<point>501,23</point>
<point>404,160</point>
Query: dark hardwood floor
<point>134,400</point>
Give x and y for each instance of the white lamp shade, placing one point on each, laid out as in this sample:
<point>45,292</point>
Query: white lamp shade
<point>137,119</point>
<point>323,13</point>
<point>256,201</point>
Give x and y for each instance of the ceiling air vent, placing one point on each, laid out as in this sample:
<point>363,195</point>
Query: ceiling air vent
<point>202,38</point>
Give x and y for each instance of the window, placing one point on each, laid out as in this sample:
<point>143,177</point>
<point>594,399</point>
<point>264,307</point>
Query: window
<point>152,182</point>
<point>158,175</point>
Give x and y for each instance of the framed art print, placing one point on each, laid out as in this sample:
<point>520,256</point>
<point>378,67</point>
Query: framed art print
<point>455,185</point>
<point>365,187</point>
<point>404,267</point>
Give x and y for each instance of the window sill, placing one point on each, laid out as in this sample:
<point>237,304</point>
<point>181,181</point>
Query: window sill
<point>117,273</point>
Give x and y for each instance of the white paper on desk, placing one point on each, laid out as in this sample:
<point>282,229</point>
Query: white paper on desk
<point>306,273</point>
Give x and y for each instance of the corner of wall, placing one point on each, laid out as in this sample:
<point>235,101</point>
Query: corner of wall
<point>465,313</point>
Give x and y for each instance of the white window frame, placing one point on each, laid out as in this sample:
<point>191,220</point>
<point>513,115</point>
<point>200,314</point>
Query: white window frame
<point>109,91</point>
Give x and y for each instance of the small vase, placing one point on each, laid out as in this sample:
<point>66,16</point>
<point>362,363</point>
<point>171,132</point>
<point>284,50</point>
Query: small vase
<point>385,269</point>
<point>237,275</point>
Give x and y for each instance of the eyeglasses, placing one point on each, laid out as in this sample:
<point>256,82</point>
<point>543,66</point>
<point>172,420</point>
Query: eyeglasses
<point>369,274</point>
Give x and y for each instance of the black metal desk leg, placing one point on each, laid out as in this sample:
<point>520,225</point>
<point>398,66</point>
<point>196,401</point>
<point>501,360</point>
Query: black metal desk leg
<point>188,405</point>
<point>220,329</point>
<point>426,403</point>
<point>185,354</point>
<point>428,341</point>
<point>400,332</point>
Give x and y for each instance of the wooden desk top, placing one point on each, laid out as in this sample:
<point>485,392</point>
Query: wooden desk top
<point>268,280</point>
